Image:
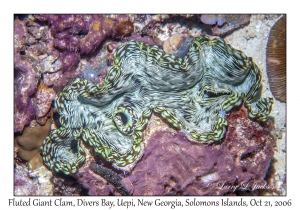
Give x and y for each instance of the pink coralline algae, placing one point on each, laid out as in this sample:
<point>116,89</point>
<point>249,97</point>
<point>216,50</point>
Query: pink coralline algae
<point>213,19</point>
<point>84,33</point>
<point>69,60</point>
<point>173,165</point>
<point>21,184</point>
<point>32,182</point>
<point>25,86</point>
<point>146,39</point>
<point>29,49</point>
<point>95,184</point>
<point>44,98</point>
<point>48,48</point>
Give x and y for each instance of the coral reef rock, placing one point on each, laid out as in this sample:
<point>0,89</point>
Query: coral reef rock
<point>48,48</point>
<point>172,44</point>
<point>66,186</point>
<point>33,56</point>
<point>95,184</point>
<point>84,33</point>
<point>139,121</point>
<point>172,164</point>
<point>225,23</point>
<point>44,98</point>
<point>32,182</point>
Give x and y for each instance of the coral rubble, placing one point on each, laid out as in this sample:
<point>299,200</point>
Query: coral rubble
<point>66,186</point>
<point>32,182</point>
<point>225,23</point>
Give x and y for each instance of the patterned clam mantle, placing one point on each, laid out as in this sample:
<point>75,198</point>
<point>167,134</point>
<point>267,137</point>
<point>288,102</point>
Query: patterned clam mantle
<point>192,94</point>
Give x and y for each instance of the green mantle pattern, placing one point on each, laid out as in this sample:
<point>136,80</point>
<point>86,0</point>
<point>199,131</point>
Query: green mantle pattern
<point>192,94</point>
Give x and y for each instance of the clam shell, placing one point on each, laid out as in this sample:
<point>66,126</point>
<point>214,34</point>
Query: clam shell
<point>276,59</point>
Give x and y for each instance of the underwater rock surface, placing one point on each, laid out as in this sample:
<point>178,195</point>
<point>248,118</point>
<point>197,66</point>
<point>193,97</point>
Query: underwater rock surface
<point>225,23</point>
<point>40,59</point>
<point>49,48</point>
<point>172,164</point>
<point>32,182</point>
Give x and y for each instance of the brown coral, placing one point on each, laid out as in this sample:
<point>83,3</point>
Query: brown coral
<point>124,26</point>
<point>172,44</point>
<point>29,143</point>
<point>276,59</point>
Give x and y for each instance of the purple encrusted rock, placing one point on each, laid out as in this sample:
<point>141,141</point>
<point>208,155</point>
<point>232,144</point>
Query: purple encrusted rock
<point>23,115</point>
<point>25,86</point>
<point>69,60</point>
<point>84,33</point>
<point>44,98</point>
<point>32,182</point>
<point>172,164</point>
<point>66,186</point>
<point>95,184</point>
<point>146,39</point>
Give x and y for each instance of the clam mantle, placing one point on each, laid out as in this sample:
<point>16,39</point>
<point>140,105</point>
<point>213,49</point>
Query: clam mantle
<point>190,93</point>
